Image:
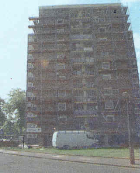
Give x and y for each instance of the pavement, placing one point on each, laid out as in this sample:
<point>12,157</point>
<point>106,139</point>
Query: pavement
<point>108,161</point>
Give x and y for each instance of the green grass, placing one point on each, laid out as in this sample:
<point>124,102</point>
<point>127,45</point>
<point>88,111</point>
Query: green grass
<point>108,152</point>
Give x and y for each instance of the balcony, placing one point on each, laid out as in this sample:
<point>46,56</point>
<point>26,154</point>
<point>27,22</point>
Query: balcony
<point>43,24</point>
<point>85,99</point>
<point>119,20</point>
<point>33,18</point>
<point>106,70</point>
<point>80,60</point>
<point>85,112</point>
<point>122,58</point>
<point>36,130</point>
<point>81,37</point>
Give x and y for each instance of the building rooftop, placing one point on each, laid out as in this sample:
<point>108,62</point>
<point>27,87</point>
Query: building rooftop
<point>80,6</point>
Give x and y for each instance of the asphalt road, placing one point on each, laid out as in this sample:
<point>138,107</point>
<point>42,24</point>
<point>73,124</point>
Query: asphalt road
<point>23,164</point>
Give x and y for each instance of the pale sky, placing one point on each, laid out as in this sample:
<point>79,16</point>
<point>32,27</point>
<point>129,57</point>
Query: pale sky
<point>14,31</point>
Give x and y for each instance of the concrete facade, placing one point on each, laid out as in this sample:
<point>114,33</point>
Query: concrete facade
<point>81,59</point>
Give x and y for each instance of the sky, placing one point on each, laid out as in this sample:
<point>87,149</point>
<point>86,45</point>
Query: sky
<point>14,32</point>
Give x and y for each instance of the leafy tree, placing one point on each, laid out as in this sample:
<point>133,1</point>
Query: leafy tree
<point>9,128</point>
<point>15,109</point>
<point>2,114</point>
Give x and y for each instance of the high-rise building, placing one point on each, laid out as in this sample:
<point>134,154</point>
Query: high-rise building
<point>81,65</point>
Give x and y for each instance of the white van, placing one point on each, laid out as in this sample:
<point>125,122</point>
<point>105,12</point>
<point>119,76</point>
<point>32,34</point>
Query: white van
<point>73,139</point>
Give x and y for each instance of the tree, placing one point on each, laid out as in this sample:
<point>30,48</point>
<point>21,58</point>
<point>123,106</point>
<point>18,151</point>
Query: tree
<point>9,128</point>
<point>2,115</point>
<point>15,108</point>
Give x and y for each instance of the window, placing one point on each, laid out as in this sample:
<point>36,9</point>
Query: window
<point>87,59</point>
<point>77,84</point>
<point>51,93</point>
<point>31,115</point>
<point>77,72</point>
<point>62,77</point>
<point>90,93</point>
<point>131,35</point>
<point>75,26</point>
<point>74,14</point>
<point>30,56</point>
<point>78,60</point>
<point>90,84</point>
<point>37,130</point>
<point>30,38</point>
<point>60,38</point>
<point>107,91</point>
<point>134,62</point>
<point>60,21</point>
<point>104,53</point>
<point>30,84</point>
<point>136,81</point>
<point>105,65</point>
<point>63,118</point>
<point>102,39</point>
<point>86,13</point>
<point>136,110</point>
<point>30,75</point>
<point>92,107</point>
<point>78,107</point>
<point>78,46</point>
<point>60,30</point>
<point>102,29</point>
<point>115,11</point>
<point>86,36</point>
<point>89,70</point>
<point>84,81</point>
<point>88,49</point>
<point>31,125</point>
<point>29,104</point>
<point>101,19</point>
<point>109,104</point>
<point>60,56</point>
<point>115,91</point>
<point>110,118</point>
<point>91,59</point>
<point>61,93</point>
<point>50,107</point>
<point>31,135</point>
<point>106,76</point>
<point>30,47</point>
<point>96,19</point>
<point>60,66</point>
<point>30,65</point>
<point>78,93</point>
<point>87,25</point>
<point>79,36</point>
<point>61,106</point>
<point>61,46</point>
<point>135,71</point>
<point>29,94</point>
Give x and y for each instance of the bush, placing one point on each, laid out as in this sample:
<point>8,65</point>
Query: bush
<point>8,144</point>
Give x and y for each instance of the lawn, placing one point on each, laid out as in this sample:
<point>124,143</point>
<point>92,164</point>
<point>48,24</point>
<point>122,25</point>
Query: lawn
<point>108,152</point>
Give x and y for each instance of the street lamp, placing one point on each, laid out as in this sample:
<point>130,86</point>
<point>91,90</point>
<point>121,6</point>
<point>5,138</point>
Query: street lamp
<point>126,96</point>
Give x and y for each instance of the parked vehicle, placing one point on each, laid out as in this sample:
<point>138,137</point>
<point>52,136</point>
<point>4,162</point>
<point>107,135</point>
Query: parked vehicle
<point>73,139</point>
